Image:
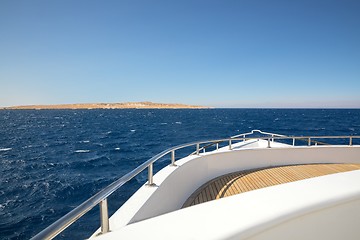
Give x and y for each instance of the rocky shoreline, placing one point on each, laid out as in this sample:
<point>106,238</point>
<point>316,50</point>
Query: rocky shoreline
<point>126,105</point>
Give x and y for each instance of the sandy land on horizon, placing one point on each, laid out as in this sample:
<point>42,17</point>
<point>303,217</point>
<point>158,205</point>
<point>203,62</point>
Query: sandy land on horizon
<point>126,105</point>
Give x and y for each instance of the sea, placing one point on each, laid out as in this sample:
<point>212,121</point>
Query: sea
<point>53,160</point>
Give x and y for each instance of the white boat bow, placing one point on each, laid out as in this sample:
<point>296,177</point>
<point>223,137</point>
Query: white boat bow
<point>323,201</point>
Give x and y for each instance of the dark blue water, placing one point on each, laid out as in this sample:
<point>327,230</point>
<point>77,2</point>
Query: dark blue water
<point>53,160</point>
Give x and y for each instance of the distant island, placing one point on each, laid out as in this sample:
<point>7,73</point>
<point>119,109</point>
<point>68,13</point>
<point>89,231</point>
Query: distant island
<point>126,105</point>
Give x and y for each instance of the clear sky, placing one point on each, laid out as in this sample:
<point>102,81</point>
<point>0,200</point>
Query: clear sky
<point>236,53</point>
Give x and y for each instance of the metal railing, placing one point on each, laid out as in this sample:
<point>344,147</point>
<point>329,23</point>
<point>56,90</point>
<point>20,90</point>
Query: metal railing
<point>101,197</point>
<point>242,136</point>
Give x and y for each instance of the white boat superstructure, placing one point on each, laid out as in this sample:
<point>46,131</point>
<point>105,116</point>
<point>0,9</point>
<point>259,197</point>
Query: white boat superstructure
<point>325,203</point>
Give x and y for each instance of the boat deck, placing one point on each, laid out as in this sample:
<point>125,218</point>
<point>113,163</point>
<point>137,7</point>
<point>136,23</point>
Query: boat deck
<point>243,181</point>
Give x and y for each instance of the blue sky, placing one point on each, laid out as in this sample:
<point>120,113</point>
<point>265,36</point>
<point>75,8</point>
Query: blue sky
<point>217,53</point>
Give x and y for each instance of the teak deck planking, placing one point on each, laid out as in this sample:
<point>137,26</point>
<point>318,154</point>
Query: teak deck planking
<point>244,181</point>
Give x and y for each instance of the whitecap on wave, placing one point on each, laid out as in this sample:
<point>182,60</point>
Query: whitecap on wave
<point>178,122</point>
<point>82,151</point>
<point>133,130</point>
<point>5,149</point>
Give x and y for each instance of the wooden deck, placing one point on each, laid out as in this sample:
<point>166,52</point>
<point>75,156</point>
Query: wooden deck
<point>239,182</point>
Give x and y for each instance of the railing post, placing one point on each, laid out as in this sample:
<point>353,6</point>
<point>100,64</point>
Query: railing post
<point>150,175</point>
<point>272,137</point>
<point>173,158</point>
<point>104,216</point>
<point>197,148</point>
<point>243,138</point>
<point>309,142</point>
<point>217,146</point>
<point>269,143</point>
<point>350,141</point>
<point>230,147</point>
<point>293,141</point>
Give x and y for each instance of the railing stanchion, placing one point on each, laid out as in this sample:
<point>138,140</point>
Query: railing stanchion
<point>217,146</point>
<point>230,147</point>
<point>309,142</point>
<point>243,138</point>
<point>150,175</point>
<point>272,137</point>
<point>269,143</point>
<point>173,158</point>
<point>350,141</point>
<point>197,148</point>
<point>104,216</point>
<point>293,141</point>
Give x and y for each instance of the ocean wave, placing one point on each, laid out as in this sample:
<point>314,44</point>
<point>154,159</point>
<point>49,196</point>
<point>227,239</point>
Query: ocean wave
<point>5,149</point>
<point>28,146</point>
<point>82,151</point>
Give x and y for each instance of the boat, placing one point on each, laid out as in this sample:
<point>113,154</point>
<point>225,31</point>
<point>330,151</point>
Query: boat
<point>255,185</point>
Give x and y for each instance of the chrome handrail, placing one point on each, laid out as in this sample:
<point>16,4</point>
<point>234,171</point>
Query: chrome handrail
<point>101,197</point>
<point>243,135</point>
<point>57,227</point>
